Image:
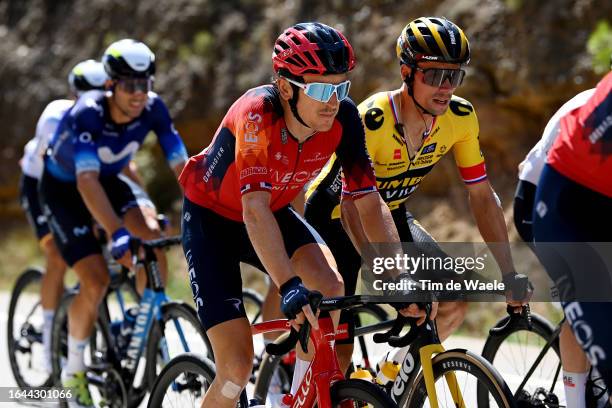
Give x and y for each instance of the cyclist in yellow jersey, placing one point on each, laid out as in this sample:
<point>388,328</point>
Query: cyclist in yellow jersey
<point>408,130</point>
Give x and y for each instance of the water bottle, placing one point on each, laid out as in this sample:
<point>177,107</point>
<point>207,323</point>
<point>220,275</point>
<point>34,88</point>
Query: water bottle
<point>387,372</point>
<point>361,374</point>
<point>125,330</point>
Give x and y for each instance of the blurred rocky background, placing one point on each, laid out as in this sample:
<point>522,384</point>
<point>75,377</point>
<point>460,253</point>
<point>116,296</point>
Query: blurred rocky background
<point>528,58</point>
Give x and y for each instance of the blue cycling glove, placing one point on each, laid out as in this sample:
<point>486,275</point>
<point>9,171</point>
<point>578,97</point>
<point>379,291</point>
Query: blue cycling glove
<point>120,242</point>
<point>294,296</point>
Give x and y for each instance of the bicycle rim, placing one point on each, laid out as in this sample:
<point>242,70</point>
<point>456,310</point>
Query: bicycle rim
<point>183,382</point>
<point>24,332</point>
<point>470,371</point>
<point>182,333</point>
<point>359,393</point>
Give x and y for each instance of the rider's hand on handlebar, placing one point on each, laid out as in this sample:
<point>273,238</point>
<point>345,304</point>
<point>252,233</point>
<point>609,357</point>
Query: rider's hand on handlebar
<point>518,290</point>
<point>295,303</point>
<point>120,247</point>
<point>413,310</point>
<point>413,294</point>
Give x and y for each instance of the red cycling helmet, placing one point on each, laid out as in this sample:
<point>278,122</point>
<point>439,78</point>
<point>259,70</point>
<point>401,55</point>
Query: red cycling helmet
<point>312,48</point>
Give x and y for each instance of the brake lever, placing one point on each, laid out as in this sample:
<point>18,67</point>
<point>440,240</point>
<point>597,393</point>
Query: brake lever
<point>522,319</point>
<point>315,301</point>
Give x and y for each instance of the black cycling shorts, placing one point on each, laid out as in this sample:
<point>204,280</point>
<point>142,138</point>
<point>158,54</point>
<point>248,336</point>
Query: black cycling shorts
<point>567,212</point>
<point>28,196</point>
<point>214,247</point>
<point>69,219</point>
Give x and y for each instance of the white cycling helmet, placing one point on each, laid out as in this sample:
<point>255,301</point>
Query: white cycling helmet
<point>87,75</point>
<point>129,59</point>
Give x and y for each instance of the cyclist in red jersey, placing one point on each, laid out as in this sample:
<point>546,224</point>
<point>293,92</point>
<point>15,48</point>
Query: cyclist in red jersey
<point>572,209</point>
<point>274,140</point>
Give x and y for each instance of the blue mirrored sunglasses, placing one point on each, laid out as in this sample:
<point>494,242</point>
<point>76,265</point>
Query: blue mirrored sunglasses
<point>322,92</point>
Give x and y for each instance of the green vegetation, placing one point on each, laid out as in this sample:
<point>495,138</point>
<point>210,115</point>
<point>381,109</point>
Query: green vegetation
<point>514,5</point>
<point>599,46</point>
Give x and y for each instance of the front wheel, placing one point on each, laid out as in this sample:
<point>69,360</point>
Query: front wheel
<point>183,383</point>
<point>514,354</point>
<point>359,393</point>
<point>471,372</point>
<point>178,331</point>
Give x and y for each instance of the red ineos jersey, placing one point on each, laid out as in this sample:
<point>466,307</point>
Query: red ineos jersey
<point>253,151</point>
<point>583,149</point>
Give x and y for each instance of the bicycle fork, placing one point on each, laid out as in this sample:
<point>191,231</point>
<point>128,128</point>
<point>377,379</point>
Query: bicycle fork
<point>427,354</point>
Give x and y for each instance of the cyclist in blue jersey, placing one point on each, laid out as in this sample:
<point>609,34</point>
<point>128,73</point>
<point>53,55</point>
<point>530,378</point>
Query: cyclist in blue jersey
<point>85,76</point>
<point>93,143</point>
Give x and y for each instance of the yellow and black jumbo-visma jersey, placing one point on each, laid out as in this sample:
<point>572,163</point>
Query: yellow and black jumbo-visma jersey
<point>396,175</point>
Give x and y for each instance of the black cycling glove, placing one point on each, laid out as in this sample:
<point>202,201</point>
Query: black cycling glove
<point>294,296</point>
<point>518,284</point>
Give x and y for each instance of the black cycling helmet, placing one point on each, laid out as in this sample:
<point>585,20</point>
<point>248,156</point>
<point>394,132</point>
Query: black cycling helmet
<point>87,75</point>
<point>129,59</point>
<point>432,39</point>
<point>312,48</point>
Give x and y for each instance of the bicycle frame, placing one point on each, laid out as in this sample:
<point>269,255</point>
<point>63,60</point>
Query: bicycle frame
<point>322,371</point>
<point>149,309</point>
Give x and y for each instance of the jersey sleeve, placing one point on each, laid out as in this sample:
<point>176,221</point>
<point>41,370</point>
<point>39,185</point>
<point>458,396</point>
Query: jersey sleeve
<point>468,155</point>
<point>86,126</point>
<point>45,128</point>
<point>358,173</point>
<point>167,136</point>
<point>252,125</point>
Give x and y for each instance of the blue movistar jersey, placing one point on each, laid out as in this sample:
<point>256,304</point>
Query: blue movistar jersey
<point>87,139</point>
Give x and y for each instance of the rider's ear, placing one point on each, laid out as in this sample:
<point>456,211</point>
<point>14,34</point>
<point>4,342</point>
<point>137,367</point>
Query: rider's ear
<point>285,88</point>
<point>405,71</point>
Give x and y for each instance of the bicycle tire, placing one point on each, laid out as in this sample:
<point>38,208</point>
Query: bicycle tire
<point>186,363</point>
<point>539,327</point>
<point>28,277</point>
<point>460,360</point>
<point>360,391</point>
<point>373,314</point>
<point>170,311</point>
<point>250,296</point>
<point>59,336</point>
<point>269,364</point>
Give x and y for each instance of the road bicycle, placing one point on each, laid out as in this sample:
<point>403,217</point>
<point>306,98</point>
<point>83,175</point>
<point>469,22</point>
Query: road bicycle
<point>446,378</point>
<point>186,378</point>
<point>161,329</point>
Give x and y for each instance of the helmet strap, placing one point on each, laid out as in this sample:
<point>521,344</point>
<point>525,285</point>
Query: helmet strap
<point>409,81</point>
<point>293,104</point>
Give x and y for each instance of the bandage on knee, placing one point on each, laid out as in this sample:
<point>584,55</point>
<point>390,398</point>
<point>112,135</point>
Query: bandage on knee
<point>230,390</point>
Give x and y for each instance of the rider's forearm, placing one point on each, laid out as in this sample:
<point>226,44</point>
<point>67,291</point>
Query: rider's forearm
<point>131,172</point>
<point>376,219</point>
<point>492,226</point>
<point>351,222</point>
<point>97,202</point>
<point>266,238</point>
<point>379,227</point>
